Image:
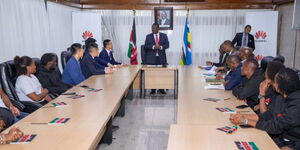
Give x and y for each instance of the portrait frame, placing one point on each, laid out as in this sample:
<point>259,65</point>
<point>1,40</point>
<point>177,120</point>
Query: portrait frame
<point>164,17</point>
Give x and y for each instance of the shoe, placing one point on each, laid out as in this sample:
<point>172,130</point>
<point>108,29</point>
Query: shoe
<point>153,92</point>
<point>115,128</point>
<point>162,91</point>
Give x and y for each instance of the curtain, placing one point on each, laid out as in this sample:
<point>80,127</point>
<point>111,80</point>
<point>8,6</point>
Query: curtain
<point>209,28</point>
<point>27,28</point>
<point>24,28</point>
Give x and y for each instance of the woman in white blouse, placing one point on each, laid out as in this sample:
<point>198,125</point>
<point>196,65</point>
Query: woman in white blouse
<point>27,86</point>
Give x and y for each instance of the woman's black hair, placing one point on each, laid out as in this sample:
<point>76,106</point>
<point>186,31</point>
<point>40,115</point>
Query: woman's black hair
<point>75,47</point>
<point>279,59</point>
<point>272,69</point>
<point>47,58</point>
<point>287,81</point>
<point>21,63</point>
<point>264,62</point>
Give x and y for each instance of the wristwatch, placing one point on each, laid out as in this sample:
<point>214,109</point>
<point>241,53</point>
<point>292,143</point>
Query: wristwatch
<point>245,122</point>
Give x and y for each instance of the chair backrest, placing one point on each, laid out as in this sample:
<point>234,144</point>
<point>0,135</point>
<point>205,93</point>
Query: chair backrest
<point>65,56</point>
<point>143,54</point>
<point>8,76</point>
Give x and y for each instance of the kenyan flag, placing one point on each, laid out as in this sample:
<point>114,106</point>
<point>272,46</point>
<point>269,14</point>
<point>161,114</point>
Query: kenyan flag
<point>132,50</point>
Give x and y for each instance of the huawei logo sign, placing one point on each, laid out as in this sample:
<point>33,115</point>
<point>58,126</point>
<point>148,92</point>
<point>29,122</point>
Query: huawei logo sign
<point>87,34</point>
<point>260,34</point>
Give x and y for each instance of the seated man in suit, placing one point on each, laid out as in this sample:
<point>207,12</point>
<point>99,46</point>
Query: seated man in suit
<point>97,59</point>
<point>49,75</point>
<point>233,78</point>
<point>107,55</point>
<point>222,61</point>
<point>245,53</point>
<point>249,87</point>
<point>156,44</point>
<point>89,66</point>
<point>229,50</point>
<point>244,39</point>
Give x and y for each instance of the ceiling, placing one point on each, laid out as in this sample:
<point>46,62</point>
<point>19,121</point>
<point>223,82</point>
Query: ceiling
<point>176,4</point>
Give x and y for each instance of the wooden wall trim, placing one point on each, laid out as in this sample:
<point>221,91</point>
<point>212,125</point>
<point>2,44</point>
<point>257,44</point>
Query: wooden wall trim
<point>75,5</point>
<point>177,6</point>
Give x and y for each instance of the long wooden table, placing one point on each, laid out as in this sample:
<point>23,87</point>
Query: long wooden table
<point>88,115</point>
<point>197,119</point>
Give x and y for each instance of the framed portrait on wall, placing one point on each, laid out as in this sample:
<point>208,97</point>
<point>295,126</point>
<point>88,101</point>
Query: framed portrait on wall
<point>164,17</point>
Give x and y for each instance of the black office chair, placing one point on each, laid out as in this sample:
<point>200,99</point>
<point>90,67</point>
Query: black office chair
<point>8,80</point>
<point>143,54</point>
<point>65,56</point>
<point>57,68</point>
<point>5,71</point>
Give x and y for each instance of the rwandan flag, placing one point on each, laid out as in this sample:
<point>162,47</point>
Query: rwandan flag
<point>186,54</point>
<point>132,54</point>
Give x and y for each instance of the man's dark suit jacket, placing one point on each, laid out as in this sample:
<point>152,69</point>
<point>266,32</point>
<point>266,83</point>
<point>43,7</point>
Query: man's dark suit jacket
<point>90,67</point>
<point>101,61</point>
<point>239,38</point>
<point>248,89</point>
<point>151,53</point>
<point>221,61</point>
<point>108,57</point>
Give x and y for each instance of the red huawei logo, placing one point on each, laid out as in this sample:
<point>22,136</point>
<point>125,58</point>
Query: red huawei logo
<point>260,34</point>
<point>87,34</point>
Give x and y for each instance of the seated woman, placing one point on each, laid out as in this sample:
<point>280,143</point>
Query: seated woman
<point>72,74</point>
<point>6,103</point>
<point>49,75</point>
<point>285,123</point>
<point>27,86</point>
<point>269,99</point>
<point>12,135</point>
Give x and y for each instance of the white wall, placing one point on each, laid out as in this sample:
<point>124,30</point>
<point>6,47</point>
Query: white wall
<point>27,28</point>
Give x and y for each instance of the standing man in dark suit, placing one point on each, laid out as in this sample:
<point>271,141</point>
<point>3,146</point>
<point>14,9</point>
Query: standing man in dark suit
<point>243,39</point>
<point>155,46</point>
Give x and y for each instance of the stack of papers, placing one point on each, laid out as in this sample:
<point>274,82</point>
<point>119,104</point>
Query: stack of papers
<point>214,87</point>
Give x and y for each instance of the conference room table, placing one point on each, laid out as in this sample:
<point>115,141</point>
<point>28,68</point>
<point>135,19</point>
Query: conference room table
<point>88,115</point>
<point>198,120</point>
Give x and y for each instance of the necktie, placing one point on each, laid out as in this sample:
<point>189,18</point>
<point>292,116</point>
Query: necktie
<point>224,58</point>
<point>156,39</point>
<point>244,40</point>
<point>156,42</point>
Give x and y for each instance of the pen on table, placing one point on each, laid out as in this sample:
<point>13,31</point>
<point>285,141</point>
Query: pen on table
<point>243,111</point>
<point>38,123</point>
